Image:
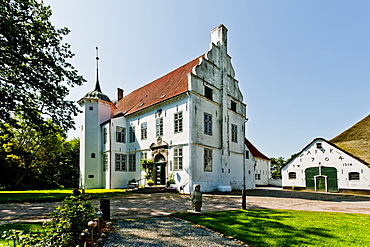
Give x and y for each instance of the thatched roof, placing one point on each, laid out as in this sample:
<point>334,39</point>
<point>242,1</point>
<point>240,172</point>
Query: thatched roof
<point>356,140</point>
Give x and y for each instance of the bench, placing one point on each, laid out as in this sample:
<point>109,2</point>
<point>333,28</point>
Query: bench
<point>132,184</point>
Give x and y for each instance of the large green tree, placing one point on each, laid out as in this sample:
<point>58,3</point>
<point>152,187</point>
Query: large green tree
<point>35,75</point>
<point>26,153</point>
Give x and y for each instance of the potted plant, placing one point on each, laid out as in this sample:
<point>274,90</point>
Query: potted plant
<point>150,182</point>
<point>170,181</point>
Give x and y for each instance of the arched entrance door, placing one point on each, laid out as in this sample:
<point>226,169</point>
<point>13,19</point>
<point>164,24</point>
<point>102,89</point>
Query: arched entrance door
<point>159,171</point>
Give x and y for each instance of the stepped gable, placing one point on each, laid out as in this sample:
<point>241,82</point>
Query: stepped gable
<point>255,152</point>
<point>166,87</point>
<point>356,139</point>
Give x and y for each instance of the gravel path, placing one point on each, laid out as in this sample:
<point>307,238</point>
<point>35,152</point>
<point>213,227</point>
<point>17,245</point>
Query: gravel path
<point>160,231</point>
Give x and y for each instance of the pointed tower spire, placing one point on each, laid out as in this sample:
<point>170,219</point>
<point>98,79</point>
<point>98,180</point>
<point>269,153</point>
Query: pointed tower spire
<point>97,85</point>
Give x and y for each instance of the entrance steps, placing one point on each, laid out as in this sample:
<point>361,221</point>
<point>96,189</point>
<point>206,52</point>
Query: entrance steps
<point>150,189</point>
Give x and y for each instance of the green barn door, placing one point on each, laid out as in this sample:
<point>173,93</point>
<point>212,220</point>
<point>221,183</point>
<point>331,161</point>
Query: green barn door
<point>310,174</point>
<point>321,183</point>
<point>331,173</point>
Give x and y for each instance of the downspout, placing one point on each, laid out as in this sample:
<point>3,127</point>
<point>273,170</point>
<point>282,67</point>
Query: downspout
<point>190,121</point>
<point>110,154</point>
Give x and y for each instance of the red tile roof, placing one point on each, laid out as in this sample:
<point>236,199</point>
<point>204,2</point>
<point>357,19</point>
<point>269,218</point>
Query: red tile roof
<point>255,151</point>
<point>168,86</point>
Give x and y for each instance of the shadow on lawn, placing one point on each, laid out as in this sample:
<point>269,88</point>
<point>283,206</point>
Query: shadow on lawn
<point>307,195</point>
<point>261,227</point>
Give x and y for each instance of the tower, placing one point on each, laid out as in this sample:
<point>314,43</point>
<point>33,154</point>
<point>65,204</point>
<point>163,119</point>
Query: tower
<point>96,108</point>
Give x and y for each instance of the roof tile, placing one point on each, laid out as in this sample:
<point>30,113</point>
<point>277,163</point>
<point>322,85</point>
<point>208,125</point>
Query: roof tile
<point>168,86</point>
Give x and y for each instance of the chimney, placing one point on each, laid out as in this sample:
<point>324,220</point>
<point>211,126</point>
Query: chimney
<point>219,34</point>
<point>119,94</point>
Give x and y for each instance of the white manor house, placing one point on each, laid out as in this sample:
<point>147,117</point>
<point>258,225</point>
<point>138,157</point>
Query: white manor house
<point>190,122</point>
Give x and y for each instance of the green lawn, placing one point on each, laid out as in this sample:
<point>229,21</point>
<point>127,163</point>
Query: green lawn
<point>263,227</point>
<point>52,195</point>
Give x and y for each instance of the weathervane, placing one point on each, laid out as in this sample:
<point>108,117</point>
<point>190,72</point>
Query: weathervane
<point>97,85</point>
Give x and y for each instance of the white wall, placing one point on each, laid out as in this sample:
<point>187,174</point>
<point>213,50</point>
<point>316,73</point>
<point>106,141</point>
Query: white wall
<point>327,156</point>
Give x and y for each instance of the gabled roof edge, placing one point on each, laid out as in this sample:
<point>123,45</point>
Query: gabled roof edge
<point>332,144</point>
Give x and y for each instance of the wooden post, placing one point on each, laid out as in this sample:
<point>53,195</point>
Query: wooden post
<point>244,200</point>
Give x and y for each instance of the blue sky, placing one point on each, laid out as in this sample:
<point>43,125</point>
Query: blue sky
<point>303,66</point>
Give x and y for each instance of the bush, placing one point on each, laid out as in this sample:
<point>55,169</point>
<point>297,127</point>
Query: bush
<point>68,222</point>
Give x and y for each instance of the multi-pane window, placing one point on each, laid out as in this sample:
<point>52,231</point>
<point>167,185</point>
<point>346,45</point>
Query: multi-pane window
<point>132,134</point>
<point>257,176</point>
<point>207,124</point>
<point>159,126</point>
<point>105,135</point>
<point>132,163</point>
<point>178,122</point>
<point>144,131</point>
<point>105,162</point>
<point>144,155</point>
<point>177,157</point>
<point>121,162</point>
<point>120,134</point>
<point>292,175</point>
<point>208,92</point>
<point>207,160</point>
<point>354,176</point>
<point>234,133</point>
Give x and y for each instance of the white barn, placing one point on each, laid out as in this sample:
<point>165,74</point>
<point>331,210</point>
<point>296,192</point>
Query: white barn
<point>322,166</point>
<point>191,122</point>
<point>261,163</point>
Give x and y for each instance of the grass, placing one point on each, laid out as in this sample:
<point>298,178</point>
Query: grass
<point>264,227</point>
<point>26,227</point>
<point>52,195</point>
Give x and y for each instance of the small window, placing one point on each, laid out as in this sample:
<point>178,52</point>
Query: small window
<point>132,163</point>
<point>91,108</point>
<point>207,124</point>
<point>319,145</point>
<point>247,154</point>
<point>233,106</point>
<point>159,126</point>
<point>105,135</point>
<point>105,162</point>
<point>257,176</point>
<point>178,122</point>
<point>208,92</point>
<point>207,160</point>
<point>132,134</point>
<point>93,155</point>
<point>234,133</point>
<point>292,175</point>
<point>144,131</point>
<point>354,176</point>
<point>91,176</point>
<point>120,134</point>
<point>177,157</point>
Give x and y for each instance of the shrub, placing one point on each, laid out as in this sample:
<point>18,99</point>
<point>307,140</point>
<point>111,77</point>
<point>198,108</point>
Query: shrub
<point>68,222</point>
